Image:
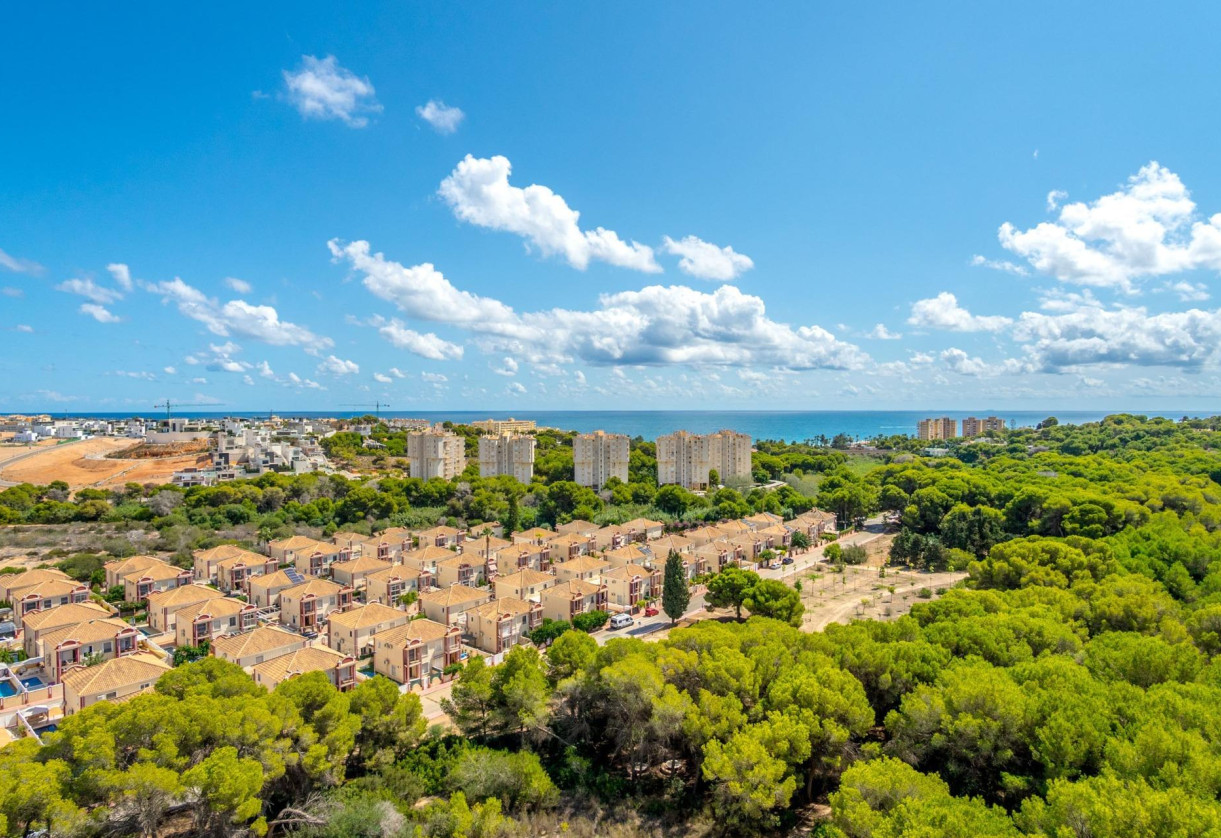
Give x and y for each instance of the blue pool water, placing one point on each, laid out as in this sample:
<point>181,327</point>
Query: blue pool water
<point>32,683</point>
<point>51,728</point>
<point>7,688</point>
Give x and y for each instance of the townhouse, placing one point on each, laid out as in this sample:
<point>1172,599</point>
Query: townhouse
<point>48,594</point>
<point>264,591</point>
<point>628,554</point>
<point>502,624</point>
<point>118,569</point>
<point>417,652</point>
<point>11,584</point>
<point>253,647</point>
<point>629,584</point>
<point>354,573</point>
<point>164,605</point>
<point>141,584</point>
<point>352,632</point>
<point>571,545</point>
<point>461,570</point>
<point>112,680</point>
<point>388,586</point>
<point>565,600</point>
<point>587,568</point>
<point>205,561</point>
<point>212,619</point>
<point>523,584</point>
<point>86,643</point>
<point>340,669</point>
<point>306,606</point>
<point>38,623</point>
<point>441,536</point>
<point>448,605</point>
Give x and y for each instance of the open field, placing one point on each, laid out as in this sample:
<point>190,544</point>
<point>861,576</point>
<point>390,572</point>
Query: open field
<point>87,463</point>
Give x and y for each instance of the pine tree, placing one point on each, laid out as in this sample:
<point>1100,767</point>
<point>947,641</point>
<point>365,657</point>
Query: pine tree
<point>511,520</point>
<point>674,592</point>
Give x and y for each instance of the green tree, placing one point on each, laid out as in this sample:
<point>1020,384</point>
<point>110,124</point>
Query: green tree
<point>729,588</point>
<point>750,785</point>
<point>772,598</point>
<point>675,595</point>
<point>590,621</point>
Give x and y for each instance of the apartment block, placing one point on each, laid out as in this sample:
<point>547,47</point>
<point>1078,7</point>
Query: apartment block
<point>599,456</point>
<point>942,428</point>
<point>971,426</point>
<point>506,426</point>
<point>436,453</point>
<point>507,454</point>
<point>417,652</point>
<point>305,606</point>
<point>686,459</point>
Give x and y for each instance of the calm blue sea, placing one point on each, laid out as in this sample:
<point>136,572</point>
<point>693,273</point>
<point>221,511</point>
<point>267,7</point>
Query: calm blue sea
<point>786,425</point>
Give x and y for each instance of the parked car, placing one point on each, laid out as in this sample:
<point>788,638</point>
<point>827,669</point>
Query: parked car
<point>651,611</point>
<point>621,621</point>
<point>787,560</point>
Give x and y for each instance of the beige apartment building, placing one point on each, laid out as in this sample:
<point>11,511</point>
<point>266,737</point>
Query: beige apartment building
<point>568,599</point>
<point>305,606</point>
<point>163,606</point>
<point>113,680</point>
<point>942,428</point>
<point>599,456</point>
<point>506,426</point>
<point>352,631</point>
<point>972,426</point>
<point>686,459</point>
<point>436,453</point>
<point>254,647</point>
<point>213,619</point>
<point>414,653</point>
<point>503,624</point>
<point>340,669</point>
<point>507,454</point>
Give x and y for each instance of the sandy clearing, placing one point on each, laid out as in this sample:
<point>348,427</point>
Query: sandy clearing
<point>85,463</point>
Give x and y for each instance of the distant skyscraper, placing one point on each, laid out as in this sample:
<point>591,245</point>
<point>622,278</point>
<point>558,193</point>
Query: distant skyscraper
<point>599,456</point>
<point>507,454</point>
<point>436,453</point>
<point>686,459</point>
<point>943,428</point>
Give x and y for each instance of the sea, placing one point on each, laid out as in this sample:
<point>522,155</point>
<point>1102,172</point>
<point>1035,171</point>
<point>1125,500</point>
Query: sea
<point>791,426</point>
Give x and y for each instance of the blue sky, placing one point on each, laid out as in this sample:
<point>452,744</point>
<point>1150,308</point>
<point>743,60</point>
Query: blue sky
<point>624,206</point>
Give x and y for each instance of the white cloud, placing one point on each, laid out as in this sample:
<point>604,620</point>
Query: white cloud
<point>656,325</point>
<point>21,266</point>
<point>508,367</point>
<point>443,118</point>
<point>199,381</point>
<point>1120,335</point>
<point>121,274</point>
<point>248,380</point>
<point>338,366</point>
<point>706,260</point>
<point>170,371</point>
<point>90,290</point>
<point>434,377</point>
<point>880,332</point>
<point>241,286</point>
<point>237,317</point>
<point>943,312</point>
<point>479,192</point>
<point>99,313</point>
<point>382,378</point>
<point>397,373</point>
<point>321,89</point>
<point>1003,265</point>
<point>304,383</point>
<point>22,327</point>
<point>1054,198</point>
<point>1147,228</point>
<point>265,369</point>
<point>425,345</point>
<point>1189,292</point>
<point>516,388</point>
<point>143,375</point>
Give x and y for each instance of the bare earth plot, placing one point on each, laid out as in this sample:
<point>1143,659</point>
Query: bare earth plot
<point>85,463</point>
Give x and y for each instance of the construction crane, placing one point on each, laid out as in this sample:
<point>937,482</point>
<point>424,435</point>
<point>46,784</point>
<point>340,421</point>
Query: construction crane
<point>167,405</point>
<point>377,406</point>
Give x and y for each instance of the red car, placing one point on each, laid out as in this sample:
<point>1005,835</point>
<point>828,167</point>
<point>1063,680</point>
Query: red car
<point>651,611</point>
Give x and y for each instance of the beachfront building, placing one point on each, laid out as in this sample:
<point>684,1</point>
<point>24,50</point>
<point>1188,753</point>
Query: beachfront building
<point>933,428</point>
<point>509,454</point>
<point>599,456</point>
<point>436,453</point>
<point>972,426</point>
<point>505,426</point>
<point>686,459</point>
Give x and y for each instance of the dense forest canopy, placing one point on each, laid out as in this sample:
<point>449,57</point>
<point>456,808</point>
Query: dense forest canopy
<point>1069,687</point>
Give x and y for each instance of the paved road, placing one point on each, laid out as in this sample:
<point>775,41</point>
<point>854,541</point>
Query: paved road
<point>645,626</point>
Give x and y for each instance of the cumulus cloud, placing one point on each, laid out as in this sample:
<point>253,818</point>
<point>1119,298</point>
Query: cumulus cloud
<point>516,388</point>
<point>956,360</point>
<point>1189,292</point>
<point>121,274</point>
<point>443,118</point>
<point>657,325</point>
<point>478,191</point>
<point>304,383</point>
<point>237,317</point>
<point>397,373</point>
<point>880,332</point>
<point>170,371</point>
<point>99,313</point>
<point>508,367</point>
<point>241,286</point>
<point>90,290</point>
<point>338,366</point>
<point>26,328</point>
<point>1003,265</point>
<point>20,266</point>
<point>1120,335</point>
<point>944,312</point>
<point>382,378</point>
<point>321,89</point>
<point>265,369</point>
<point>434,377</point>
<point>1148,228</point>
<point>706,260</point>
<point>426,345</point>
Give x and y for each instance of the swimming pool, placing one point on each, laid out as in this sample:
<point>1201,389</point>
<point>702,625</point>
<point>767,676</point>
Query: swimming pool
<point>32,683</point>
<point>7,688</point>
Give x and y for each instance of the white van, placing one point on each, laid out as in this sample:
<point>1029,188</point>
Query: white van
<point>621,621</point>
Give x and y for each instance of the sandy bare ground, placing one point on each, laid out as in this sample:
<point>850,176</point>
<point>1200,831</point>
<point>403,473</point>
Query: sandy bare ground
<point>85,463</point>
<point>861,593</point>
